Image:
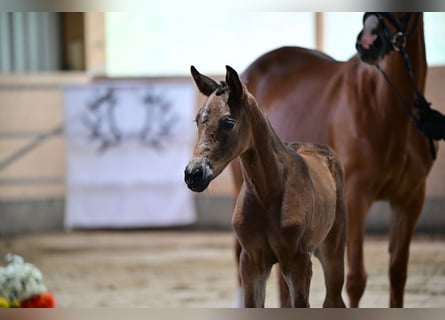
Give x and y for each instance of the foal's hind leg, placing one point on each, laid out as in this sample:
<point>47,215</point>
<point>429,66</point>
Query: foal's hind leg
<point>285,301</point>
<point>358,206</point>
<point>239,303</point>
<point>297,273</point>
<point>331,253</point>
<point>405,214</point>
<point>331,257</point>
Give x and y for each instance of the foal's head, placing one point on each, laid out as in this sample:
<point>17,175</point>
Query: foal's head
<point>384,32</point>
<point>223,129</point>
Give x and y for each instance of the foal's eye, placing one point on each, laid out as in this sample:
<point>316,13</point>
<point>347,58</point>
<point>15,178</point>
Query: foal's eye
<point>228,124</point>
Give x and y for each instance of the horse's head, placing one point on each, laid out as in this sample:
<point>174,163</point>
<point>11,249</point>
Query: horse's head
<point>223,132</point>
<point>382,33</point>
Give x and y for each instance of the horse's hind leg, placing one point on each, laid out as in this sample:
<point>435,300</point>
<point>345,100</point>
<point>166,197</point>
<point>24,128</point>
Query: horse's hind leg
<point>405,214</point>
<point>331,254</point>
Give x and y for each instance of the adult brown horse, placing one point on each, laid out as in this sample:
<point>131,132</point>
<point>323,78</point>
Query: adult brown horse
<point>309,96</point>
<point>292,201</point>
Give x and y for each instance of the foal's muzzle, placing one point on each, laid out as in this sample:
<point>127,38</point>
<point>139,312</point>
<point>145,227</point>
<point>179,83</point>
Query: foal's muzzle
<point>198,174</point>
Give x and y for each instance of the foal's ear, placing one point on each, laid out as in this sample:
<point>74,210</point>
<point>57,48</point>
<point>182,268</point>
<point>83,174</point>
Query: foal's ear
<point>204,83</point>
<point>234,83</point>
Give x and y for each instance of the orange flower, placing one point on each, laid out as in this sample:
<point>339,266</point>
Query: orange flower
<point>44,300</point>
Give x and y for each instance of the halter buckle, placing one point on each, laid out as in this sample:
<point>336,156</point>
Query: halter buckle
<point>398,41</point>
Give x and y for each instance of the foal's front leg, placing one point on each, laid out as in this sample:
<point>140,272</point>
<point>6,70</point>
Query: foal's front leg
<point>254,273</point>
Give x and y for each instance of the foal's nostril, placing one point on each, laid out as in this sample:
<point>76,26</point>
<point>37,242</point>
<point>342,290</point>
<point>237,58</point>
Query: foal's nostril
<point>194,176</point>
<point>197,178</point>
<point>197,173</point>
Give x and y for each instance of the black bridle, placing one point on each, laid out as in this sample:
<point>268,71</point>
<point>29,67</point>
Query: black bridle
<point>398,39</point>
<point>428,121</point>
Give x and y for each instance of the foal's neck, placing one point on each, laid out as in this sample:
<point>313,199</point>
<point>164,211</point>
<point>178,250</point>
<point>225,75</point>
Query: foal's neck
<point>264,162</point>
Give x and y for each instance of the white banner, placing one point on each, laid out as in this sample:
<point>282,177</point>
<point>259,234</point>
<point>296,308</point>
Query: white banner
<point>127,146</point>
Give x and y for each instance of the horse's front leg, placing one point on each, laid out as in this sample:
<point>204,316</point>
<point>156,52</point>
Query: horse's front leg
<point>405,213</point>
<point>254,273</point>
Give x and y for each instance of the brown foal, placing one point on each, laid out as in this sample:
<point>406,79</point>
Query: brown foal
<point>291,204</point>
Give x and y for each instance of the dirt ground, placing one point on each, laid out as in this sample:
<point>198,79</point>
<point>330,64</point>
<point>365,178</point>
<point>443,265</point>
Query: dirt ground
<point>183,268</point>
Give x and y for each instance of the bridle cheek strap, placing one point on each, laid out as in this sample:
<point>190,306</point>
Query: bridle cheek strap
<point>430,122</point>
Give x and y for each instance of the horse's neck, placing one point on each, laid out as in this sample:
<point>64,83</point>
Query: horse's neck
<point>263,162</point>
<point>397,70</point>
<point>383,99</point>
<point>417,55</point>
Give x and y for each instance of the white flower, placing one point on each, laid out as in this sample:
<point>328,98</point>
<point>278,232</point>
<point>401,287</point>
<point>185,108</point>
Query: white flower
<point>20,280</point>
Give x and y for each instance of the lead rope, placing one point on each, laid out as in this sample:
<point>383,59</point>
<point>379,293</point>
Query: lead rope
<point>419,103</point>
<point>402,99</point>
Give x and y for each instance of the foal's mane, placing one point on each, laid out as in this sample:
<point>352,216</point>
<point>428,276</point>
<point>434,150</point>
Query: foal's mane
<point>222,88</point>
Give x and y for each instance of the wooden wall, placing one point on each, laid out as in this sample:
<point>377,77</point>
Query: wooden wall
<point>32,105</point>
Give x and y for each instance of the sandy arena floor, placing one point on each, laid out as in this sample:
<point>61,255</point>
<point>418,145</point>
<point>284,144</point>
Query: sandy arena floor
<point>177,268</point>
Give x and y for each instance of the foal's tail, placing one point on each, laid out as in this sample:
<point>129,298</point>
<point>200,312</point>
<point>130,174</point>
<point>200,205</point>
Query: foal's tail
<point>335,243</point>
<point>341,211</point>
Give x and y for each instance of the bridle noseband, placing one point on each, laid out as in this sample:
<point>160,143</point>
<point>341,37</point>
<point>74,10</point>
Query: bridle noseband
<point>428,121</point>
<point>396,41</point>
